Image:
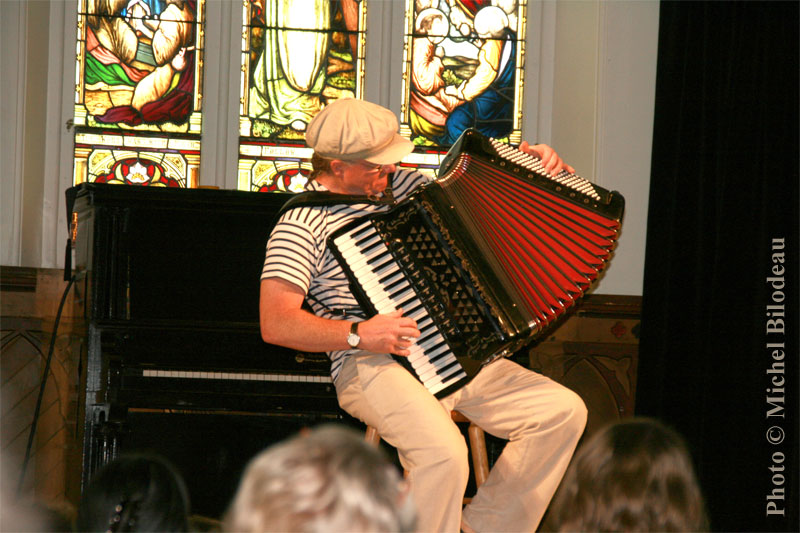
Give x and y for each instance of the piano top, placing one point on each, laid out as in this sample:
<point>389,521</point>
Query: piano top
<point>103,194</point>
<point>192,255</point>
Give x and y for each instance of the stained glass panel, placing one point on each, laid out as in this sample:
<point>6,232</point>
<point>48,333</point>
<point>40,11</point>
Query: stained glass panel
<point>297,56</point>
<point>117,158</point>
<point>463,63</point>
<point>139,65</point>
<point>425,160</point>
<point>272,167</point>
<point>138,78</point>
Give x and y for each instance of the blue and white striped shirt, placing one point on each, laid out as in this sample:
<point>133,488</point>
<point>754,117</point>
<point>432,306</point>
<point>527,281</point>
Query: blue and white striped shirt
<point>297,253</point>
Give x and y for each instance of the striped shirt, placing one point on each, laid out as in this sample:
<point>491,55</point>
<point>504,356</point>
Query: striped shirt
<point>297,253</point>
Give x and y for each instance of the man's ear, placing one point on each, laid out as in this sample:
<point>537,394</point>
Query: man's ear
<point>337,167</point>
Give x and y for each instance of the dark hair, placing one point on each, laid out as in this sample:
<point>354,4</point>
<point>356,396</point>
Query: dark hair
<point>319,165</point>
<point>634,475</point>
<point>137,492</point>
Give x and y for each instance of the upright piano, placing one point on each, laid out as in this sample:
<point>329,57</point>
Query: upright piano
<point>174,362</point>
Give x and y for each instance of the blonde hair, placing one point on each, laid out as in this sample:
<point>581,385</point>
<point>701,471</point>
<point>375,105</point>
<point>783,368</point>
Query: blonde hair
<point>325,481</point>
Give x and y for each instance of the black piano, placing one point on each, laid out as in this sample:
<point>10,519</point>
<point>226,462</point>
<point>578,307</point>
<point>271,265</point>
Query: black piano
<point>174,362</point>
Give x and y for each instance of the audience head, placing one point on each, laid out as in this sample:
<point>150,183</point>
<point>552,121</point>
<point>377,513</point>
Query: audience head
<point>325,480</point>
<point>135,493</point>
<point>635,475</point>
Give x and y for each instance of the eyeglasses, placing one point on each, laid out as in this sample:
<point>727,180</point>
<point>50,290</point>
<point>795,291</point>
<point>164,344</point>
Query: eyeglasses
<point>370,167</point>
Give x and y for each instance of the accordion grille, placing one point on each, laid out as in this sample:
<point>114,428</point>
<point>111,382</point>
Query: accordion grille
<point>548,245</point>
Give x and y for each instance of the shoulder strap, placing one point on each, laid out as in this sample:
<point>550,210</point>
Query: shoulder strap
<point>317,198</point>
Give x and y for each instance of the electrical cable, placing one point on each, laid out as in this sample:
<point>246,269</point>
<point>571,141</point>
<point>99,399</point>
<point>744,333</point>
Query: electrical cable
<point>43,385</point>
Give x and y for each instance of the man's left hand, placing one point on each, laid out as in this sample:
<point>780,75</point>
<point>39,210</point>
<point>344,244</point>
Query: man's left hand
<point>550,159</point>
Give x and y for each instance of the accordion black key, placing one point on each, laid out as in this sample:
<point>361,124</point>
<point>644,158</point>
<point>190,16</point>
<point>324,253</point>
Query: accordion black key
<point>484,258</point>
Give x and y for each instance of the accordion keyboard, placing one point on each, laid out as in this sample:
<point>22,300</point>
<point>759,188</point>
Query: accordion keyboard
<point>388,290</point>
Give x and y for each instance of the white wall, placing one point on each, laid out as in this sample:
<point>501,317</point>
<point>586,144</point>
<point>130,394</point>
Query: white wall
<point>37,74</point>
<point>589,88</point>
<point>625,129</point>
<point>602,113</point>
<point>12,77</point>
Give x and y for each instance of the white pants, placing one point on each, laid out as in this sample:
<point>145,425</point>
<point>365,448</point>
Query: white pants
<point>541,420</point>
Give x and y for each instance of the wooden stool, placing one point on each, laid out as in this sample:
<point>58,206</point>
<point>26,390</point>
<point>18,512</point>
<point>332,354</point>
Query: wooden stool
<point>477,446</point>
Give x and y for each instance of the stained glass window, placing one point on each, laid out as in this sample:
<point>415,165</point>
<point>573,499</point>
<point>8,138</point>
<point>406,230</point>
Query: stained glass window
<point>297,56</point>
<point>138,91</point>
<point>463,63</point>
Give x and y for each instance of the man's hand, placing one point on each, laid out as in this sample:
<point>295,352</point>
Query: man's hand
<point>284,322</point>
<point>390,333</point>
<point>550,159</point>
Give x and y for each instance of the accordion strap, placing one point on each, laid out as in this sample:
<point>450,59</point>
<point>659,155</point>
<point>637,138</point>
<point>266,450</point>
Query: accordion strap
<point>317,198</point>
<point>320,198</point>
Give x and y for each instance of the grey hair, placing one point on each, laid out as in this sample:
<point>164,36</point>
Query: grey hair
<point>324,481</point>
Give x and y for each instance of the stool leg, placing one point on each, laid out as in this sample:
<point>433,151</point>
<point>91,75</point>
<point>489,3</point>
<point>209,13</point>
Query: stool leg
<point>372,436</point>
<point>480,459</point>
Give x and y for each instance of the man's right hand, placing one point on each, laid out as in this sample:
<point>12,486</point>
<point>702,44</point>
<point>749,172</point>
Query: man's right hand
<point>389,333</point>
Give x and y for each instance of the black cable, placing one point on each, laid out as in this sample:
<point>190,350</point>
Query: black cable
<point>42,387</point>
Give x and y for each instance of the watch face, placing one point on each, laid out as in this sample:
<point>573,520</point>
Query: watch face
<point>353,340</point>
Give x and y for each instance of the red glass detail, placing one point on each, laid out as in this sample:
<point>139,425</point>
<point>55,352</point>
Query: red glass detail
<point>618,330</point>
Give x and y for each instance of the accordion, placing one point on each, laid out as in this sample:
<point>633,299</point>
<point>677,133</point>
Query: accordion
<point>484,258</point>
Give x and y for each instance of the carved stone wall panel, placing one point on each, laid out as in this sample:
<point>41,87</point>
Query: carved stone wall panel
<point>595,353</point>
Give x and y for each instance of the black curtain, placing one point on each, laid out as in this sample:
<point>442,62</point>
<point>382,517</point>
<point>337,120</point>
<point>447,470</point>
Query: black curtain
<point>721,257</point>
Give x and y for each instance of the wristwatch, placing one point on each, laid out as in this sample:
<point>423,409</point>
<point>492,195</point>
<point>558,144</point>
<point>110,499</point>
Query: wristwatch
<point>353,338</point>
